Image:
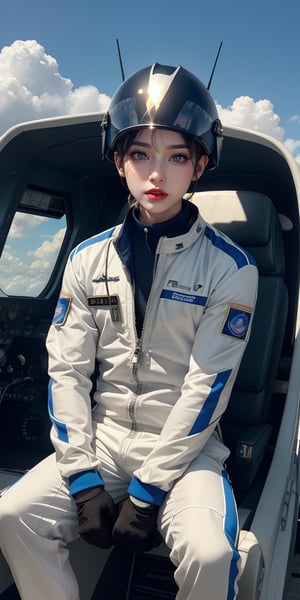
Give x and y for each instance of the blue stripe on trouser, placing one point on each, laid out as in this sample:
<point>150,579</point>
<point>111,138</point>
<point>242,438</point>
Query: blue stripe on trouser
<point>231,532</point>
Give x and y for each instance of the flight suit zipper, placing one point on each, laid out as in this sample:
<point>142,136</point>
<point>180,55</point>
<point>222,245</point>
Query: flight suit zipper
<point>135,361</point>
<point>136,352</point>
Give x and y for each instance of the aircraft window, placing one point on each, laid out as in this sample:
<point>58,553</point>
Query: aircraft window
<point>30,252</point>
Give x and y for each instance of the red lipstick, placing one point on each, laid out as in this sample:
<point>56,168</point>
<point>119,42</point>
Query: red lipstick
<point>156,194</point>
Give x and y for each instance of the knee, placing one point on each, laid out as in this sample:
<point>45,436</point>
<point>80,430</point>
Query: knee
<point>203,553</point>
<point>203,544</point>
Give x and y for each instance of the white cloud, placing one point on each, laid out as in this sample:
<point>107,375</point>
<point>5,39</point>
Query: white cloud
<point>47,252</point>
<point>29,254</point>
<point>31,87</point>
<point>19,227</point>
<point>259,116</point>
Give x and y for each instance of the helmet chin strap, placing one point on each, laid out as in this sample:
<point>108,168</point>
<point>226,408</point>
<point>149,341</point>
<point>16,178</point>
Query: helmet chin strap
<point>217,128</point>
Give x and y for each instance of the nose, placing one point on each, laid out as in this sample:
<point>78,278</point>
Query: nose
<point>157,175</point>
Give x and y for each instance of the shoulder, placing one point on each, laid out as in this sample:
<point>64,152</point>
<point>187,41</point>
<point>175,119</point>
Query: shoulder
<point>223,245</point>
<point>94,242</point>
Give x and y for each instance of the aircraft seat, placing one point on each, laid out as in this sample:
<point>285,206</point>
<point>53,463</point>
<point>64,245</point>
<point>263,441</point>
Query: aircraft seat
<point>250,219</point>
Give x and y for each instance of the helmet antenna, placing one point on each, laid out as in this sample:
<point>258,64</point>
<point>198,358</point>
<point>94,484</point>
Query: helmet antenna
<point>215,64</point>
<point>120,60</point>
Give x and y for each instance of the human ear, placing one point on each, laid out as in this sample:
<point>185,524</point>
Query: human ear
<point>202,162</point>
<point>119,164</point>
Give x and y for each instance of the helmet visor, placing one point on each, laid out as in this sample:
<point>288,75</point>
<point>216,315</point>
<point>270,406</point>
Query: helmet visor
<point>191,118</point>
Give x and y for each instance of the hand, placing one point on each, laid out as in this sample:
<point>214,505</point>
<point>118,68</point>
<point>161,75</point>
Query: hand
<point>135,529</point>
<point>97,514</point>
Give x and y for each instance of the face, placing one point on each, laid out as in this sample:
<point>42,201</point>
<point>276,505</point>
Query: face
<point>158,168</point>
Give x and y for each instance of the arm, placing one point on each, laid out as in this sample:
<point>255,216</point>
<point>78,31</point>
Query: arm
<point>71,345</point>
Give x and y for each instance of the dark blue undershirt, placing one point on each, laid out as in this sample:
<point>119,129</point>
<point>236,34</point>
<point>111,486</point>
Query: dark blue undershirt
<point>144,244</point>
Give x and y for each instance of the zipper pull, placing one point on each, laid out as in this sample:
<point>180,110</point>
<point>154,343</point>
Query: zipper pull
<point>135,360</point>
<point>146,240</point>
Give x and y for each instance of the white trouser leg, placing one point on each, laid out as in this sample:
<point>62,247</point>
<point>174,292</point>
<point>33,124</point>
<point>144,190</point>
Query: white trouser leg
<point>200,526</point>
<point>37,520</point>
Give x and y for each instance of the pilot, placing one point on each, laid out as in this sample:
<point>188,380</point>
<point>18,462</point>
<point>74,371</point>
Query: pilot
<point>163,304</point>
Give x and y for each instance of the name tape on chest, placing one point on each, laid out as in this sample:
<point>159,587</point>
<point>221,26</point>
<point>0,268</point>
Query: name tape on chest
<point>182,297</point>
<point>110,302</point>
<point>103,301</point>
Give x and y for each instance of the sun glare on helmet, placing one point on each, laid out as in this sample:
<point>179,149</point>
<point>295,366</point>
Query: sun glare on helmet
<point>154,95</point>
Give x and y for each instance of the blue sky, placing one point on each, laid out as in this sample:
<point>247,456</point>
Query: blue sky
<point>259,58</point>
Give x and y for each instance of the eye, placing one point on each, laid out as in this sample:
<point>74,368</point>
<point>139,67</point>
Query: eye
<point>137,155</point>
<point>180,158</point>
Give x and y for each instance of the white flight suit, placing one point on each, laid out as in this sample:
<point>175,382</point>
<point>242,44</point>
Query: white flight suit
<point>158,400</point>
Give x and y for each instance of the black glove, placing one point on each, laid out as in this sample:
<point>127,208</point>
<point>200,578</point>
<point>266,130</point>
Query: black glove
<point>135,529</point>
<point>97,514</point>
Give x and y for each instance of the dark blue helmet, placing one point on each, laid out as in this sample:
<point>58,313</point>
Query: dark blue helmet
<point>165,97</point>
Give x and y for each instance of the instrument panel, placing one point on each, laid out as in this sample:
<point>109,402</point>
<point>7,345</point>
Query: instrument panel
<point>24,419</point>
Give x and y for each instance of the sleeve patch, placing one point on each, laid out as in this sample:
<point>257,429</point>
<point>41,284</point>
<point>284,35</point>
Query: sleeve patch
<point>237,321</point>
<point>62,310</point>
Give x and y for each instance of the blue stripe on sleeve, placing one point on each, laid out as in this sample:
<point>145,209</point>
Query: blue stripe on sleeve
<point>146,492</point>
<point>205,415</point>
<point>104,235</point>
<point>84,480</point>
<point>240,256</point>
<point>61,428</point>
